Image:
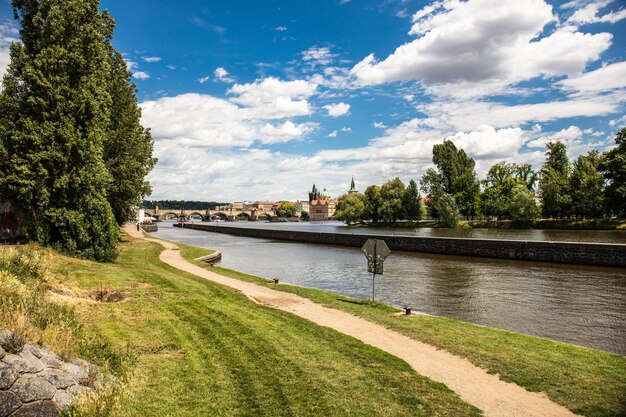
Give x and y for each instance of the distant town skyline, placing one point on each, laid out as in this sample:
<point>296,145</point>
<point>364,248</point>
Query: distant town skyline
<point>259,100</point>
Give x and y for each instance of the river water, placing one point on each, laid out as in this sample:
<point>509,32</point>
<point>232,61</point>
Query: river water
<point>575,304</point>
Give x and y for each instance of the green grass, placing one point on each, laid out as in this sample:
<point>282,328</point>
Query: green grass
<point>206,350</point>
<point>587,381</point>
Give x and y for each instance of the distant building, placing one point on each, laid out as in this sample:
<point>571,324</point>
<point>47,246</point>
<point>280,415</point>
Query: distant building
<point>321,205</point>
<point>301,205</point>
<point>264,206</point>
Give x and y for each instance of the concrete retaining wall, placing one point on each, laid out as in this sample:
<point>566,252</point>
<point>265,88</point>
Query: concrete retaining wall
<point>601,254</point>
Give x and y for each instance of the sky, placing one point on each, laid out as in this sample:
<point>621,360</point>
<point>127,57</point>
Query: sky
<point>258,100</point>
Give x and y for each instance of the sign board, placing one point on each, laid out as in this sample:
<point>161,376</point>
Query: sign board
<point>376,251</point>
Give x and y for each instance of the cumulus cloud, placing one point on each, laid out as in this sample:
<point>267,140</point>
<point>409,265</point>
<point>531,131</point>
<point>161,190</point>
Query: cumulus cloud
<point>609,77</point>
<point>222,75</point>
<point>272,97</point>
<point>338,109</point>
<point>501,44</point>
<point>591,13</point>
<point>133,67</point>
<point>202,121</point>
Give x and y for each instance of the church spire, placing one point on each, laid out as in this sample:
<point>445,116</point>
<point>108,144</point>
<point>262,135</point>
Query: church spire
<point>352,187</point>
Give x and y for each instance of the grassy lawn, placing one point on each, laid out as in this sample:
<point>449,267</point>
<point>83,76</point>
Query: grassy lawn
<point>201,349</point>
<point>587,381</point>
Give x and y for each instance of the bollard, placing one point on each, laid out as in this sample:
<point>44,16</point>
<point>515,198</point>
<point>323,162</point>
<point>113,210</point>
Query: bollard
<point>407,311</point>
<point>275,280</point>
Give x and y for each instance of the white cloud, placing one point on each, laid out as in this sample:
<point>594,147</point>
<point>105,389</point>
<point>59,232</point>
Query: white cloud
<point>202,121</point>
<point>609,77</point>
<point>498,47</point>
<point>222,75</point>
<point>272,97</point>
<point>333,134</point>
<point>338,109</point>
<point>280,28</point>
<point>150,58</point>
<point>141,75</point>
<point>379,125</point>
<point>321,56</point>
<point>462,115</point>
<point>203,79</point>
<point>172,67</point>
<point>590,13</point>
<point>133,67</point>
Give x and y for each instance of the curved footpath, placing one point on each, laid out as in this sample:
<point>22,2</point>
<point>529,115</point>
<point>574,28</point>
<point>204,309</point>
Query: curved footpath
<point>473,384</point>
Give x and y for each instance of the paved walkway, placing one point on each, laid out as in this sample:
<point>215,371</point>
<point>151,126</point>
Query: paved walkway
<point>474,385</point>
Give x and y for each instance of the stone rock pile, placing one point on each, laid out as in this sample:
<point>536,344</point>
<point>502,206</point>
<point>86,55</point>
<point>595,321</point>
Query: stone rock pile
<point>36,382</point>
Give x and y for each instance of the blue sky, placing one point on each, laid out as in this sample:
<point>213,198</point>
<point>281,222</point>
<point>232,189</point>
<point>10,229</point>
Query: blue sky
<point>251,100</point>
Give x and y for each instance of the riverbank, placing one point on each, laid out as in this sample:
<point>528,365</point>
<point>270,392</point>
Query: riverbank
<point>597,254</point>
<point>587,381</point>
<point>200,348</point>
<point>540,224</point>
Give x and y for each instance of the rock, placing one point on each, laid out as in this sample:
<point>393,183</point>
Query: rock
<point>9,402</point>
<point>79,390</point>
<point>50,359</point>
<point>76,372</point>
<point>8,375</point>
<point>24,362</point>
<point>29,347</point>
<point>38,409</point>
<point>32,388</point>
<point>57,378</point>
<point>2,352</point>
<point>62,399</point>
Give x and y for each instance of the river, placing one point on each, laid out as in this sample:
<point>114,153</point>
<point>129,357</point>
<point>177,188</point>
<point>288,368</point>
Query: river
<point>575,304</point>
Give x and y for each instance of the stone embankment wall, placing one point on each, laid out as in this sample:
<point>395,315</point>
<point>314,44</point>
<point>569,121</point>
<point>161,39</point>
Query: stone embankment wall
<point>36,382</point>
<point>600,254</point>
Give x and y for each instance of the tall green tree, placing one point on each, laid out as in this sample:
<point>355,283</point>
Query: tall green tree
<point>128,146</point>
<point>554,182</point>
<point>391,195</point>
<point>56,113</point>
<point>411,203</point>
<point>432,186</point>
<point>373,203</point>
<point>587,187</point>
<point>613,168</point>
<point>500,181</point>
<point>351,208</point>
<point>286,209</point>
<point>458,176</point>
<point>448,212</point>
<point>522,207</point>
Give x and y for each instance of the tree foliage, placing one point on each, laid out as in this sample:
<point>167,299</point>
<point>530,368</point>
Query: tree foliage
<point>500,181</point>
<point>613,168</point>
<point>351,208</point>
<point>286,209</point>
<point>587,187</point>
<point>62,169</point>
<point>458,177</point>
<point>373,203</point>
<point>523,208</point>
<point>554,182</point>
<point>392,195</point>
<point>411,203</point>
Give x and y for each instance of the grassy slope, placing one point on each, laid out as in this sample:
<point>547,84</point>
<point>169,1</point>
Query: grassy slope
<point>587,381</point>
<point>205,350</point>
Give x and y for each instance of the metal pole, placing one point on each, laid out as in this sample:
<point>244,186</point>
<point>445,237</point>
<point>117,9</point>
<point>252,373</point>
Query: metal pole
<point>374,272</point>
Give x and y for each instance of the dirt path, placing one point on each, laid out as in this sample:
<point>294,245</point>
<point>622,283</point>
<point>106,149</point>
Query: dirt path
<point>474,385</point>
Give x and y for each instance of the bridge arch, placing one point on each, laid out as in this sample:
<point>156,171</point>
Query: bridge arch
<point>221,215</point>
<point>243,216</point>
<point>195,215</point>
<point>264,216</point>
<point>170,215</point>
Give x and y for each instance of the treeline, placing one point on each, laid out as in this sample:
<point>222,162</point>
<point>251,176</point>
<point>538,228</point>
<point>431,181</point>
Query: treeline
<point>181,204</point>
<point>73,154</point>
<point>593,186</point>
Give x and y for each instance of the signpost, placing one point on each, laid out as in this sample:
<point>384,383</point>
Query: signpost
<point>376,251</point>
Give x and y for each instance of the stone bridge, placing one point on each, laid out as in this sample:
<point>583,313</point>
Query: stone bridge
<point>208,215</point>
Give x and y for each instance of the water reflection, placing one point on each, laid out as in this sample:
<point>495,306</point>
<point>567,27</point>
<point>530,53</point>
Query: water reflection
<point>574,304</point>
